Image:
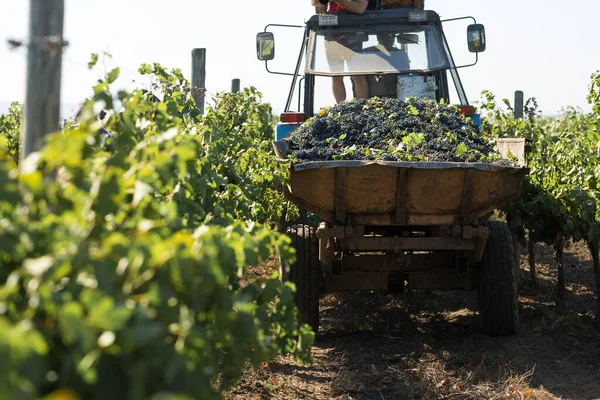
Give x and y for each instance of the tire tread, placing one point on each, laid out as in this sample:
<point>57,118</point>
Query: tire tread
<point>498,297</point>
<point>306,273</point>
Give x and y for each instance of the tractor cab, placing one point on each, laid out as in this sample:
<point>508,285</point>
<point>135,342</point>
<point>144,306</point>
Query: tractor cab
<point>402,52</point>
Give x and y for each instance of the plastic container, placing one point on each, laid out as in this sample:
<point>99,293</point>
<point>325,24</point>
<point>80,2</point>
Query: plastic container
<point>284,129</point>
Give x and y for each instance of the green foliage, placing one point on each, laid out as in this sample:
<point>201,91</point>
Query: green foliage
<point>93,60</point>
<point>594,94</point>
<point>245,157</point>
<point>498,119</point>
<point>461,149</point>
<point>10,131</point>
<point>121,276</point>
<point>560,194</point>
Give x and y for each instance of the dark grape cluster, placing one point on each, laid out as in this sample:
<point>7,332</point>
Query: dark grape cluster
<point>391,130</point>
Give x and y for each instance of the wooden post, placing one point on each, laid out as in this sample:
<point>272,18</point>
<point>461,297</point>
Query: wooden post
<point>44,62</point>
<point>235,85</point>
<point>519,104</point>
<point>199,77</point>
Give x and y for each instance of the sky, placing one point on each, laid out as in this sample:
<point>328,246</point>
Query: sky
<point>543,47</point>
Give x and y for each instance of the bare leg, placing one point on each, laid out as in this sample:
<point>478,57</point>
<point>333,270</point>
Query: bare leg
<point>339,90</point>
<point>361,86</point>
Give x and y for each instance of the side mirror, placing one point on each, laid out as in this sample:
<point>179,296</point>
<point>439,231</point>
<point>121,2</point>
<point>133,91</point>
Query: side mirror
<point>476,38</point>
<point>265,46</point>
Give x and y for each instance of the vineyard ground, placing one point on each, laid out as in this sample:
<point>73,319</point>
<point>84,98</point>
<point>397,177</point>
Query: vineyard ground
<point>428,346</point>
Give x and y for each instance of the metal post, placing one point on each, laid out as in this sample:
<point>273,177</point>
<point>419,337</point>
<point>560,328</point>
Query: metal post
<point>519,104</point>
<point>44,62</point>
<point>235,85</point>
<point>199,77</point>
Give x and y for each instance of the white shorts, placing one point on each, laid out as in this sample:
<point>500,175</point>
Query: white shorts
<point>339,55</point>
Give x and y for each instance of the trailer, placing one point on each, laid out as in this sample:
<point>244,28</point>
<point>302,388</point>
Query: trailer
<point>393,226</point>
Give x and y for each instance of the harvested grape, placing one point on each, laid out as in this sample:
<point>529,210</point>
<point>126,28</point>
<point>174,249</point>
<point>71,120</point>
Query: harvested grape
<point>391,130</point>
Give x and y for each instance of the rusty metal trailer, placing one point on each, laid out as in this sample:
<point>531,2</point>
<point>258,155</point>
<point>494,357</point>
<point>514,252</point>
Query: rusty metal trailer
<point>389,226</point>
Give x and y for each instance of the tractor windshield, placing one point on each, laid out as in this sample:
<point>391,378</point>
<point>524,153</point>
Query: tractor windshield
<point>410,49</point>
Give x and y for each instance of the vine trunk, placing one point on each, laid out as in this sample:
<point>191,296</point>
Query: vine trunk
<point>531,254</point>
<point>560,266</point>
<point>596,259</point>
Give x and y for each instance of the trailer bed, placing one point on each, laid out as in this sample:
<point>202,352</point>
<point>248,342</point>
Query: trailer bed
<point>402,193</point>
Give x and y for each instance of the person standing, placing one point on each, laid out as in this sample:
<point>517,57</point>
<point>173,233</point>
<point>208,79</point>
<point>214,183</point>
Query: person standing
<point>336,58</point>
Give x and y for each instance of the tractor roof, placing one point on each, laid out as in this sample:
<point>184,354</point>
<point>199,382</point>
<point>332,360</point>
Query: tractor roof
<point>378,17</point>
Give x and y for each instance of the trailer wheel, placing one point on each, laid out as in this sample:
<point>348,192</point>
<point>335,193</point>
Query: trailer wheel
<point>305,273</point>
<point>498,297</point>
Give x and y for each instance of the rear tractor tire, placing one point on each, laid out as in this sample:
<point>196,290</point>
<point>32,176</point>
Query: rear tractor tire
<point>498,296</point>
<point>305,273</point>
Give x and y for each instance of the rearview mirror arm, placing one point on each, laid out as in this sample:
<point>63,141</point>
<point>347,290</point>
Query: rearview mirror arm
<point>267,62</point>
<point>476,54</point>
<point>470,65</point>
<point>458,19</point>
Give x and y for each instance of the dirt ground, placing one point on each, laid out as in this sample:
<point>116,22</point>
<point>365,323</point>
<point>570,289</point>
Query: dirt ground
<point>428,346</point>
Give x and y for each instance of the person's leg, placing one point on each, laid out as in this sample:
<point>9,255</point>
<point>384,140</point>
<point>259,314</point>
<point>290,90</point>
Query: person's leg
<point>339,90</point>
<point>335,59</point>
<point>361,87</point>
